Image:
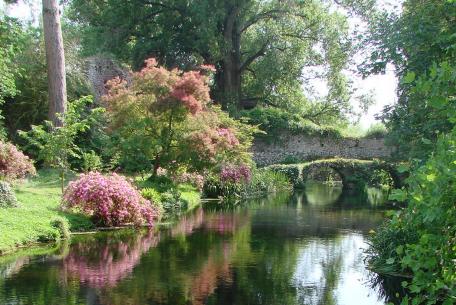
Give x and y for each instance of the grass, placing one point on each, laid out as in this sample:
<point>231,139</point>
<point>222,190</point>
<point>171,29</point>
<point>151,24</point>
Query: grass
<point>190,194</point>
<point>31,222</point>
<point>39,218</point>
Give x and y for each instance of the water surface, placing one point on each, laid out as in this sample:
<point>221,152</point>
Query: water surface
<point>301,249</point>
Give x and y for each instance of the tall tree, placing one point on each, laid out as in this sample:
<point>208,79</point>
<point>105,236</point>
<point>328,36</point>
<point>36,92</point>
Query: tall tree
<point>259,48</point>
<point>422,36</point>
<point>55,59</point>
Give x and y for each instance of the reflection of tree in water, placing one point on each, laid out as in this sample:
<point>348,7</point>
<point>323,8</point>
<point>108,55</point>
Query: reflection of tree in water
<point>222,222</point>
<point>188,223</point>
<point>322,194</point>
<point>271,253</point>
<point>388,288</point>
<point>104,263</point>
<point>216,269</point>
<point>185,269</point>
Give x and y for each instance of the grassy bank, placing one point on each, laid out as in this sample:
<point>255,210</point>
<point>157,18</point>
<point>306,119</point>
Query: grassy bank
<point>32,221</point>
<point>38,217</point>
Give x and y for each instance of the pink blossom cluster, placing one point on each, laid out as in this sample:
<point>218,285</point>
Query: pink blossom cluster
<point>110,199</point>
<point>194,179</point>
<point>209,142</point>
<point>209,68</point>
<point>13,163</point>
<point>235,174</point>
<point>162,171</point>
<point>228,137</point>
<point>191,89</point>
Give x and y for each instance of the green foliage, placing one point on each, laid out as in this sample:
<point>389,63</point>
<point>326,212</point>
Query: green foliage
<point>29,105</point>
<point>154,197</point>
<point>39,200</point>
<point>414,42</point>
<point>56,145</point>
<point>292,171</point>
<point>170,198</point>
<point>266,181</point>
<point>421,239</point>
<point>62,225</point>
<point>274,121</point>
<point>426,248</point>
<point>91,161</point>
<point>7,197</point>
<point>376,131</point>
<point>10,35</point>
<point>262,182</point>
<point>269,48</point>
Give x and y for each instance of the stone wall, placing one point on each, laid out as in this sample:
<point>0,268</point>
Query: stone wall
<point>99,70</point>
<point>304,147</point>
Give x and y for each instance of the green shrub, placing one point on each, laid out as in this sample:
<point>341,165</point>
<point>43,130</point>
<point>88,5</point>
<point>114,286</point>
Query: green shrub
<point>172,202</point>
<point>7,197</point>
<point>292,171</point>
<point>274,121</point>
<point>266,181</point>
<point>91,161</point>
<point>262,182</point>
<point>61,224</point>
<point>376,131</point>
<point>154,197</point>
<point>420,240</point>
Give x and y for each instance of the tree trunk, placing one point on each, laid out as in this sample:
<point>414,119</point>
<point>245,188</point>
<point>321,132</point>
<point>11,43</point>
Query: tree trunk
<point>229,78</point>
<point>55,59</point>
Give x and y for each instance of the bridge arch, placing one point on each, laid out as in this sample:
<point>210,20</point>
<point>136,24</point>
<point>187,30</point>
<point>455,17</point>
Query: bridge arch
<point>348,169</point>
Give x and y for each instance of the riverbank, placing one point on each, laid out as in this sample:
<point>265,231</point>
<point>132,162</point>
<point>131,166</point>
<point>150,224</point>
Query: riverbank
<point>38,218</point>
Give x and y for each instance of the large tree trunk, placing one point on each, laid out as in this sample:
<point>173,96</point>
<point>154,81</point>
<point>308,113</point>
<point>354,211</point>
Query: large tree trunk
<point>229,78</point>
<point>55,60</point>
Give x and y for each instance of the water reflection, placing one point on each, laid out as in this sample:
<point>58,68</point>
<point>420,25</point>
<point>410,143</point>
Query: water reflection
<point>303,249</point>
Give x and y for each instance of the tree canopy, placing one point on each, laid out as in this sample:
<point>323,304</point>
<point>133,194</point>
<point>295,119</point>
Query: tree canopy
<point>415,41</point>
<point>262,50</point>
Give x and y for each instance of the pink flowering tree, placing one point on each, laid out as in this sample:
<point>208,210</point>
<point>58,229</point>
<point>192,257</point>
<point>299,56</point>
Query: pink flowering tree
<point>110,199</point>
<point>167,117</point>
<point>13,163</point>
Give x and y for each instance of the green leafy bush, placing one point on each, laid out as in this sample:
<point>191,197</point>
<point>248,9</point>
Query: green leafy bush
<point>261,182</point>
<point>376,131</point>
<point>154,197</point>
<point>292,171</point>
<point>91,161</point>
<point>274,121</point>
<point>7,197</point>
<point>56,145</point>
<point>61,224</point>
<point>266,181</point>
<point>421,239</point>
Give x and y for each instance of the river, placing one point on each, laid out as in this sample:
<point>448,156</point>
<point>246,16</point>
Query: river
<point>304,248</point>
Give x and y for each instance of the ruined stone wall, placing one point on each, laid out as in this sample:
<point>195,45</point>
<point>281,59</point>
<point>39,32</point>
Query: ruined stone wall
<point>99,70</point>
<point>304,147</point>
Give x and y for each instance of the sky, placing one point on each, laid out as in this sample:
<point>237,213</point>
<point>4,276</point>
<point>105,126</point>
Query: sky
<point>383,86</point>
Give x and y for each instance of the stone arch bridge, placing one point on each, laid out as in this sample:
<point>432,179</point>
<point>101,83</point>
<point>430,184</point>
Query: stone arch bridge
<point>347,169</point>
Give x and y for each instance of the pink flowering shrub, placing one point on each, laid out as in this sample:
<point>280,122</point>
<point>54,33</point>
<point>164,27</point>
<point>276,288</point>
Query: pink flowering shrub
<point>194,179</point>
<point>227,137</point>
<point>163,116</point>
<point>111,200</point>
<point>13,163</point>
<point>235,174</point>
